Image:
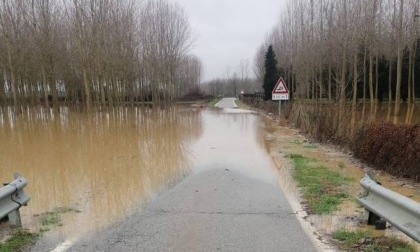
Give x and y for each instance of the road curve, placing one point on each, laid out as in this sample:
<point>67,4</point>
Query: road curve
<point>214,210</point>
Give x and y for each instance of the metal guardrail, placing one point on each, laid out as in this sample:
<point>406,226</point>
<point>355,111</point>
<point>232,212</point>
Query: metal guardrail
<point>400,211</point>
<point>12,197</point>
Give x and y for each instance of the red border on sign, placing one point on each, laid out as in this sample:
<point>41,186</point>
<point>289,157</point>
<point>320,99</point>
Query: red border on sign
<point>286,91</point>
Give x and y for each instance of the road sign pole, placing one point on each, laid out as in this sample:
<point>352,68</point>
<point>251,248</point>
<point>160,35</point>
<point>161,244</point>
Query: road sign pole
<point>279,108</point>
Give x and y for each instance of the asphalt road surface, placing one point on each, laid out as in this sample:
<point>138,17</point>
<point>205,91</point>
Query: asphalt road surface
<point>226,103</point>
<point>214,210</point>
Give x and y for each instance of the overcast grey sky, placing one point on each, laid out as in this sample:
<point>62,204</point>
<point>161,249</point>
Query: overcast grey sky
<point>228,31</point>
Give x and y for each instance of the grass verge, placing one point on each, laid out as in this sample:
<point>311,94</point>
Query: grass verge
<point>21,239</point>
<point>364,241</point>
<point>213,102</point>
<point>322,188</point>
<point>240,104</point>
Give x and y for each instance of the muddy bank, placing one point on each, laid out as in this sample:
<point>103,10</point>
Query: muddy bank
<point>386,142</point>
<point>283,141</point>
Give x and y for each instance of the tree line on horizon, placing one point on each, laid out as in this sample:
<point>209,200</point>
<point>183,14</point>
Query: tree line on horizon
<point>94,52</point>
<point>345,50</point>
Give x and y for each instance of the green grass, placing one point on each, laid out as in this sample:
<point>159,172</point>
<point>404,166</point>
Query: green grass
<point>350,238</point>
<point>53,218</point>
<point>240,104</point>
<point>309,146</point>
<point>363,241</point>
<point>321,187</point>
<point>50,219</point>
<point>214,101</point>
<point>19,240</point>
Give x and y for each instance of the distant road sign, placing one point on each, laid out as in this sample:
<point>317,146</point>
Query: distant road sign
<point>280,91</point>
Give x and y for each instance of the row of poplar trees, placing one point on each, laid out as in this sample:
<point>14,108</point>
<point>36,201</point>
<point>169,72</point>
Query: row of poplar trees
<point>343,50</point>
<point>94,52</point>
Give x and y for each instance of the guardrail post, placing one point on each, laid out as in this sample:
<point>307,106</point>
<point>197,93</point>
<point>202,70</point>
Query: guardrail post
<point>374,219</point>
<point>388,206</point>
<point>14,219</point>
<point>12,197</point>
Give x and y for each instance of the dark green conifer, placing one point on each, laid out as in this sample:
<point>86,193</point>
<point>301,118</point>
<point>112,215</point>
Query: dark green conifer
<point>271,73</point>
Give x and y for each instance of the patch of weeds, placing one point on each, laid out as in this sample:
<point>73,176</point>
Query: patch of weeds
<point>62,210</point>
<point>296,141</point>
<point>50,219</point>
<point>53,218</point>
<point>43,230</point>
<point>19,240</point>
<point>322,188</point>
<point>341,165</point>
<point>294,156</point>
<point>240,104</point>
<point>310,146</point>
<point>364,241</point>
<point>351,238</point>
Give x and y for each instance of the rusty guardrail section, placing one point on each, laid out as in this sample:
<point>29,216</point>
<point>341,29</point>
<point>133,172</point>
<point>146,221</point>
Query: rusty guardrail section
<point>400,211</point>
<point>12,197</point>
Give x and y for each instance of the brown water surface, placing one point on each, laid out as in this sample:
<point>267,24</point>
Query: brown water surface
<point>108,164</point>
<point>103,164</point>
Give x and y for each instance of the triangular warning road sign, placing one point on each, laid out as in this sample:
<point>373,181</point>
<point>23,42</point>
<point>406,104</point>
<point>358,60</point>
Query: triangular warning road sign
<point>280,87</point>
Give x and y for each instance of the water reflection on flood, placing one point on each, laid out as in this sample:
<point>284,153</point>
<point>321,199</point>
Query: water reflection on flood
<point>233,141</point>
<point>108,164</point>
<point>103,164</point>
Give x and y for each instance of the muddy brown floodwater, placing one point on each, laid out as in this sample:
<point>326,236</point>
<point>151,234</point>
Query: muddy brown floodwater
<point>108,164</point>
<point>104,164</point>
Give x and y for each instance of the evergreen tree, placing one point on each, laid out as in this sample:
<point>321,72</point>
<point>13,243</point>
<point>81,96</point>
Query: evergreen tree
<point>271,73</point>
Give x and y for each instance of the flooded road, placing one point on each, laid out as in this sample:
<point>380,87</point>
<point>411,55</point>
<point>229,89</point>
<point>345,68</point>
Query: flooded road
<point>230,202</point>
<point>109,164</point>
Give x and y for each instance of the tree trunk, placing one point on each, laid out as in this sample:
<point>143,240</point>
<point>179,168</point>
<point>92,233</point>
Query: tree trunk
<point>45,86</point>
<point>399,64</point>
<point>391,62</point>
<point>364,74</point>
<point>371,94</point>
<point>87,90</point>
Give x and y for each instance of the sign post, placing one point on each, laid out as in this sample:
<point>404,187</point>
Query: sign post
<point>280,93</point>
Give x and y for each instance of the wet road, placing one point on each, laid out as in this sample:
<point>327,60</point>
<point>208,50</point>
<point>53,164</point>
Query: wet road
<point>226,103</point>
<point>217,208</point>
<point>214,210</point>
